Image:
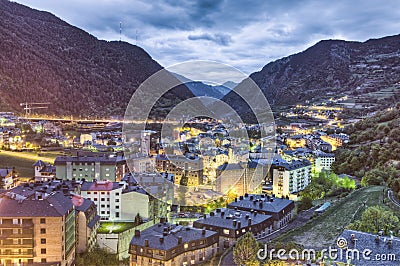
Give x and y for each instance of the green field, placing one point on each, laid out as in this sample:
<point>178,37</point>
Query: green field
<point>23,161</point>
<point>117,227</point>
<point>323,230</point>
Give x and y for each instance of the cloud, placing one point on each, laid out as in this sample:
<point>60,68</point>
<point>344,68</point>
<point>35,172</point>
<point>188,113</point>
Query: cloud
<point>218,38</point>
<point>244,33</point>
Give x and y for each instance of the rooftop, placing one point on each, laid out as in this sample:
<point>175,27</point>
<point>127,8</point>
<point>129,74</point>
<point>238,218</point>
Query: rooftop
<point>170,234</point>
<point>261,203</point>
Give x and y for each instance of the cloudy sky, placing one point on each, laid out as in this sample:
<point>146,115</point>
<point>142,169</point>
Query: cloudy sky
<point>245,34</point>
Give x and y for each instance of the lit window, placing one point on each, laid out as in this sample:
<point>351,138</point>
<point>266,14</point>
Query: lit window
<point>186,245</point>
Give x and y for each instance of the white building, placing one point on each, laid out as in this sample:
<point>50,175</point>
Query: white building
<point>323,161</point>
<point>290,177</point>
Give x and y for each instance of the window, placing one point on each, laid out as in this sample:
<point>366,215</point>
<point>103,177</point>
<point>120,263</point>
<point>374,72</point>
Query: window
<point>117,207</point>
<point>43,261</point>
<point>42,220</point>
<point>43,241</point>
<point>117,194</point>
<point>117,214</point>
<point>43,251</point>
<point>88,192</point>
<point>43,230</point>
<point>95,199</point>
<point>102,205</point>
<point>102,193</point>
<point>95,193</point>
<point>116,200</point>
<point>102,199</point>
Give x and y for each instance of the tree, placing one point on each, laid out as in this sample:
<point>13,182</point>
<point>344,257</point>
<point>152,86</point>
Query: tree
<point>305,204</point>
<point>245,250</point>
<point>375,219</point>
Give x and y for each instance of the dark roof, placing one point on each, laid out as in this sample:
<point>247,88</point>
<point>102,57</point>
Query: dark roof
<point>5,171</point>
<point>252,202</point>
<point>294,164</point>
<point>48,169</point>
<point>81,204</point>
<point>153,234</point>
<point>88,159</point>
<point>39,163</point>
<point>230,166</point>
<point>364,241</point>
<point>93,222</point>
<point>224,218</point>
<point>15,205</point>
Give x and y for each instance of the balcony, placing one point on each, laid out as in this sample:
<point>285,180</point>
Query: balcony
<point>16,246</point>
<point>16,255</point>
<point>10,225</point>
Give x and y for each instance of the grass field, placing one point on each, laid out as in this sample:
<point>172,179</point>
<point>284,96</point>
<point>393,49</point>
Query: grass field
<point>117,227</point>
<point>22,161</point>
<point>323,230</point>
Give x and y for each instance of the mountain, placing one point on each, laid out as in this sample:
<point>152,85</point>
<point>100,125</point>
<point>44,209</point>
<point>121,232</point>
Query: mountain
<point>201,89</point>
<point>328,68</point>
<point>44,59</point>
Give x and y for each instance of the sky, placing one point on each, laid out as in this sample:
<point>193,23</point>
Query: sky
<point>242,33</point>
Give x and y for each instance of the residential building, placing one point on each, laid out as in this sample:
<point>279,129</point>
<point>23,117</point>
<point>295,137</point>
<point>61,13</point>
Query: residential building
<point>190,170</point>
<point>240,178</point>
<point>323,161</point>
<point>382,250</point>
<point>87,223</point>
<point>230,224</point>
<point>37,228</point>
<point>281,210</point>
<point>44,171</point>
<point>8,178</point>
<point>91,166</point>
<point>290,177</point>
<point>172,245</point>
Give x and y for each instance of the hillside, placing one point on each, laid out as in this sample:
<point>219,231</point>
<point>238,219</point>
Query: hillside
<point>329,68</point>
<point>44,59</point>
<point>373,152</point>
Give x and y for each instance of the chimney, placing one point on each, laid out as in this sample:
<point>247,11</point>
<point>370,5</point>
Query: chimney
<point>247,216</point>
<point>162,220</point>
<point>179,240</point>
<point>249,222</point>
<point>146,242</point>
<point>218,210</point>
<point>353,238</point>
<point>203,232</point>
<point>234,223</point>
<point>211,213</point>
<point>239,224</point>
<point>251,197</point>
<point>255,213</point>
<point>377,238</point>
<point>254,202</point>
<point>261,205</point>
<point>161,240</point>
<point>137,233</point>
<point>390,243</point>
<point>246,195</point>
<point>241,198</point>
<point>235,199</point>
<point>222,214</point>
<point>165,233</point>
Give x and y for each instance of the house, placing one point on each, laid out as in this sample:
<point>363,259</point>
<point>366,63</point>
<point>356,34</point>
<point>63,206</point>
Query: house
<point>8,178</point>
<point>44,171</point>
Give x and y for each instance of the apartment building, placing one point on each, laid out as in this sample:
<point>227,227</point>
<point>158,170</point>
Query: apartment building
<point>281,210</point>
<point>37,228</point>
<point>230,224</point>
<point>290,177</point>
<point>172,245</point>
<point>91,166</point>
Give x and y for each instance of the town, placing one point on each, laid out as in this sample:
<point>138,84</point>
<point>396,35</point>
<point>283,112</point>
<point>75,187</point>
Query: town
<point>72,188</point>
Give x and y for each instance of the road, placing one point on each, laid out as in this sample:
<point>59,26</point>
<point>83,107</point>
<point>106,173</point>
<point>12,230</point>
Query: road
<point>391,197</point>
<point>300,220</point>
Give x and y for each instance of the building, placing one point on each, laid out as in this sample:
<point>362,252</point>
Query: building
<point>281,210</point>
<point>36,228</point>
<point>187,172</point>
<point>8,178</point>
<point>91,166</point>
<point>230,224</point>
<point>87,223</point>
<point>172,245</point>
<point>290,177</point>
<point>119,201</point>
<point>323,161</point>
<point>44,171</point>
<point>240,178</point>
<point>383,250</point>
<point>336,140</point>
